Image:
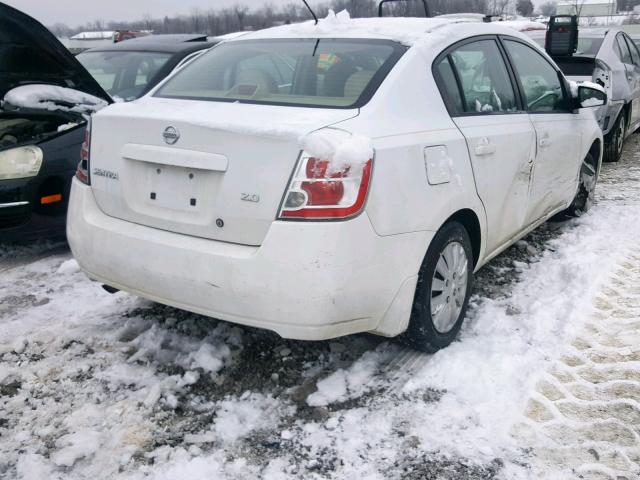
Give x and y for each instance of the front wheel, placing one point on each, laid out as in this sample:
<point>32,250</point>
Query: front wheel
<point>442,294</point>
<point>586,188</point>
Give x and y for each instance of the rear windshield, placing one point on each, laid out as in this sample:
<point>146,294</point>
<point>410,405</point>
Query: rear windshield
<point>329,73</point>
<point>587,46</point>
<point>124,74</point>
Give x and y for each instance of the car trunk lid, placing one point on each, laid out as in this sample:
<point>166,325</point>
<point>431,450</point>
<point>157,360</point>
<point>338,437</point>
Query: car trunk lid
<point>209,169</point>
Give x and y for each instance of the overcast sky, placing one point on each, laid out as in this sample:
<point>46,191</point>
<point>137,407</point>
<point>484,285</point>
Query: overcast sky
<point>79,12</point>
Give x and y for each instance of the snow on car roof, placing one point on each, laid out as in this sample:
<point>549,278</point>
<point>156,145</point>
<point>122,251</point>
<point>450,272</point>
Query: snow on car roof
<point>524,25</point>
<point>404,30</point>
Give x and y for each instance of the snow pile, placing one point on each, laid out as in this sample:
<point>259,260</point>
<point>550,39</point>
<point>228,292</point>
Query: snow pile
<point>343,149</point>
<point>354,382</point>
<point>69,267</point>
<point>237,418</point>
<point>50,97</point>
<point>159,344</point>
<point>75,446</point>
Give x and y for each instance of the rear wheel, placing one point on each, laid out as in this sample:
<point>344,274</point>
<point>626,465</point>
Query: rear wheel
<point>614,141</point>
<point>586,189</point>
<point>443,290</point>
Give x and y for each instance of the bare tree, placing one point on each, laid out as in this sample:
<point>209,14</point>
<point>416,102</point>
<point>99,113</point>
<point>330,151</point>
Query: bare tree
<point>241,12</point>
<point>576,7</point>
<point>61,30</point>
<point>498,7</point>
<point>549,8</point>
<point>524,7</point>
<point>147,21</point>
<point>197,20</point>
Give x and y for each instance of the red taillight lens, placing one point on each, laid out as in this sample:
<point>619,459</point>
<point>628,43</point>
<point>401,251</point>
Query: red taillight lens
<point>82,172</point>
<point>322,192</point>
<point>318,191</point>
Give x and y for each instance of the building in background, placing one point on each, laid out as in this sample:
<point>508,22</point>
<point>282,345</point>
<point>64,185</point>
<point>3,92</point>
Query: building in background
<point>587,8</point>
<point>86,40</point>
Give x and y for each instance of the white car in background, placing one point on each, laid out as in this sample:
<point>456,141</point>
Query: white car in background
<point>323,180</point>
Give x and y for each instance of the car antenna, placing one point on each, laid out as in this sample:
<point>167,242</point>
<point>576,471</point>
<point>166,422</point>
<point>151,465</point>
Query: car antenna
<point>313,14</point>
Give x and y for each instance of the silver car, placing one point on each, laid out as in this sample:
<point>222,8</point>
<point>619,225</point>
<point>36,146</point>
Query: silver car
<point>609,57</point>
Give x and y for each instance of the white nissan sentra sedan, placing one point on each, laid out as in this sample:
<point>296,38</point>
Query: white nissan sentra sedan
<point>323,180</point>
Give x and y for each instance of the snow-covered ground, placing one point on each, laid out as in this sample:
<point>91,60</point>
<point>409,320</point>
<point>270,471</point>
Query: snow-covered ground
<point>544,381</point>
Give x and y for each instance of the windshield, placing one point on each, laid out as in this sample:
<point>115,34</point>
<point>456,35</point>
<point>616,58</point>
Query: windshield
<point>587,46</point>
<point>330,73</point>
<point>123,75</point>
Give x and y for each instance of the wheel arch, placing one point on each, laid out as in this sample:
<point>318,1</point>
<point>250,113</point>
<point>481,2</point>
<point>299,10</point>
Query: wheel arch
<point>596,151</point>
<point>470,221</point>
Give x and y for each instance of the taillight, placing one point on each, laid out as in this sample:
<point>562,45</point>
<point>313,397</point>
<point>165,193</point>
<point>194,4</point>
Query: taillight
<point>82,172</point>
<point>319,189</point>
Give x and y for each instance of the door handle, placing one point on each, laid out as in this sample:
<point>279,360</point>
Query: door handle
<point>484,148</point>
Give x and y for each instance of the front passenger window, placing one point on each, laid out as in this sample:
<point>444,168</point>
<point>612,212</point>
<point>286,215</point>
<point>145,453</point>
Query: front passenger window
<point>540,81</point>
<point>486,86</point>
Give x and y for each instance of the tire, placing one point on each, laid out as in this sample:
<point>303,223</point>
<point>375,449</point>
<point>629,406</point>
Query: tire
<point>430,330</point>
<point>614,141</point>
<point>586,189</point>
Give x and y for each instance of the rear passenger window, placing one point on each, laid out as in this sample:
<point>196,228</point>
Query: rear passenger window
<point>485,82</point>
<point>543,92</point>
<point>451,92</point>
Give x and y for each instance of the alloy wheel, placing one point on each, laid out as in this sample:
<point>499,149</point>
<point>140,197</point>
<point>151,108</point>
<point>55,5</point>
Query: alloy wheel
<point>449,287</point>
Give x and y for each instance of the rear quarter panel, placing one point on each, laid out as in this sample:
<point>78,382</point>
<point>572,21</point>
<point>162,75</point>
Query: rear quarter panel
<point>406,116</point>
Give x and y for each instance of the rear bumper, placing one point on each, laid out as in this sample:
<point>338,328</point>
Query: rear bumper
<point>308,281</point>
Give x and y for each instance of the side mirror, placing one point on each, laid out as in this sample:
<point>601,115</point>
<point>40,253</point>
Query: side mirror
<point>590,96</point>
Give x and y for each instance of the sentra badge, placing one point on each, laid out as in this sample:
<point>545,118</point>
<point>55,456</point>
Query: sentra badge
<point>101,172</point>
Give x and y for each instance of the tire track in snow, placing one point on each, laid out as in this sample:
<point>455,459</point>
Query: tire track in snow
<point>586,407</point>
